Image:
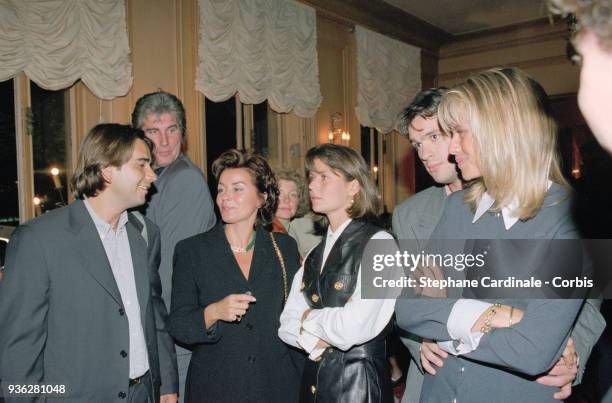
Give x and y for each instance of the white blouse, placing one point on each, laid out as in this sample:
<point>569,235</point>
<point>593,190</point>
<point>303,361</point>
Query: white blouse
<point>358,321</point>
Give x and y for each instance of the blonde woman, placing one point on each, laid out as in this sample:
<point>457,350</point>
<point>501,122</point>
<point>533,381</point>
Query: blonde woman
<point>504,143</point>
<point>325,315</point>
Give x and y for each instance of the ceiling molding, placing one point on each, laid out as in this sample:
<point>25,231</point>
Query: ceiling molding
<point>385,19</point>
<point>543,61</point>
<point>520,26</point>
<point>465,51</point>
<point>514,35</point>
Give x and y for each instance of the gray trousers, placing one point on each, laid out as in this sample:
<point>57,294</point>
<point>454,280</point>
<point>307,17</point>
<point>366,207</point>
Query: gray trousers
<point>183,357</point>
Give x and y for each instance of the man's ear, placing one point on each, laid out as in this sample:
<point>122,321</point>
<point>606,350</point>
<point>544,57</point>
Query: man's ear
<point>107,174</point>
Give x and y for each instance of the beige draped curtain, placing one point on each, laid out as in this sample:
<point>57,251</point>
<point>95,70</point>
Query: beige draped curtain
<point>57,42</point>
<point>388,77</point>
<point>261,49</point>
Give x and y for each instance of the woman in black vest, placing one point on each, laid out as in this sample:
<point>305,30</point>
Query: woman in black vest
<point>325,315</point>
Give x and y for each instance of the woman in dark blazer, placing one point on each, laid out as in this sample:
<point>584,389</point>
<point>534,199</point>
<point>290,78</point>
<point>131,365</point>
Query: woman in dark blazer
<point>229,288</point>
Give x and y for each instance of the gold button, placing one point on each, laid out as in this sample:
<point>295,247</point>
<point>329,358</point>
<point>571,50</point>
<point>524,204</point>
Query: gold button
<point>313,389</point>
<point>302,286</point>
<point>315,298</point>
<point>338,285</point>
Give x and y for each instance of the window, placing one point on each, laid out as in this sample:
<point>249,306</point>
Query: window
<point>372,150</point>
<point>220,132</point>
<point>259,139</point>
<point>232,124</point>
<point>377,149</point>
<point>9,201</point>
<point>35,137</point>
<point>50,148</point>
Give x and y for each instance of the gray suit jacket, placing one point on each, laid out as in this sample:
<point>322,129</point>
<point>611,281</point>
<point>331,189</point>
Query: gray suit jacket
<point>63,320</point>
<point>456,223</point>
<point>416,218</point>
<point>181,206</point>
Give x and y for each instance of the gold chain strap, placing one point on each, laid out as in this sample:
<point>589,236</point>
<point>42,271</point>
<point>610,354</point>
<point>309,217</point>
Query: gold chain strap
<point>282,263</point>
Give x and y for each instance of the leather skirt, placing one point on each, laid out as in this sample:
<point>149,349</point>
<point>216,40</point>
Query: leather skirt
<point>360,374</point>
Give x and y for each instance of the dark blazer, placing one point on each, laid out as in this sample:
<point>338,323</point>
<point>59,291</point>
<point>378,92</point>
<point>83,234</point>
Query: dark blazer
<point>240,361</point>
<point>63,321</point>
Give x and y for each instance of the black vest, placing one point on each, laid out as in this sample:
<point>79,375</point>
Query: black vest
<point>361,373</point>
<point>334,285</point>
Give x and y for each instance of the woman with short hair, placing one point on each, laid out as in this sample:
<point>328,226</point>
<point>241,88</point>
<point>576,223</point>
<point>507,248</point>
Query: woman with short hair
<point>228,289</point>
<point>325,315</point>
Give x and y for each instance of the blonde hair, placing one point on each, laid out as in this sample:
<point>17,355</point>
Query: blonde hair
<point>514,135</point>
<point>348,163</point>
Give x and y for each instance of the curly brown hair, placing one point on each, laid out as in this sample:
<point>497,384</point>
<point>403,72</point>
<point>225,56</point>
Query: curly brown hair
<point>261,173</point>
<point>594,15</point>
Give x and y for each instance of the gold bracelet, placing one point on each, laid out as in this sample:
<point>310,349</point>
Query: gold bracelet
<point>486,328</point>
<point>511,313</point>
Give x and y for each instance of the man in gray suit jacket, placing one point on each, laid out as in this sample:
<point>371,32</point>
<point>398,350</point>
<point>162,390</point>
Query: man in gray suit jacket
<point>179,201</point>
<point>80,303</point>
<point>417,217</point>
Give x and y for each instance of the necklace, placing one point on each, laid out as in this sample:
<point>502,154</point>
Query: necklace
<point>250,245</point>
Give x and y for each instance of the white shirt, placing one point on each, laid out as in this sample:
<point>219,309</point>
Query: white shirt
<point>358,321</point>
<point>466,312</point>
<point>117,247</point>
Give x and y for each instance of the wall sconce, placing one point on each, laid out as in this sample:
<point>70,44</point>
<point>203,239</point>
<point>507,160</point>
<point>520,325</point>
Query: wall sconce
<point>337,134</point>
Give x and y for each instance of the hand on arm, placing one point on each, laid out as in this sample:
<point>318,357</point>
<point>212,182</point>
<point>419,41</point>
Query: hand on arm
<point>431,354</point>
<point>563,373</point>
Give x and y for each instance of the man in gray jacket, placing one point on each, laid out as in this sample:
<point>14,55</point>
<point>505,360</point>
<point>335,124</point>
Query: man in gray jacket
<point>80,305</point>
<point>417,217</point>
<point>179,201</point>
